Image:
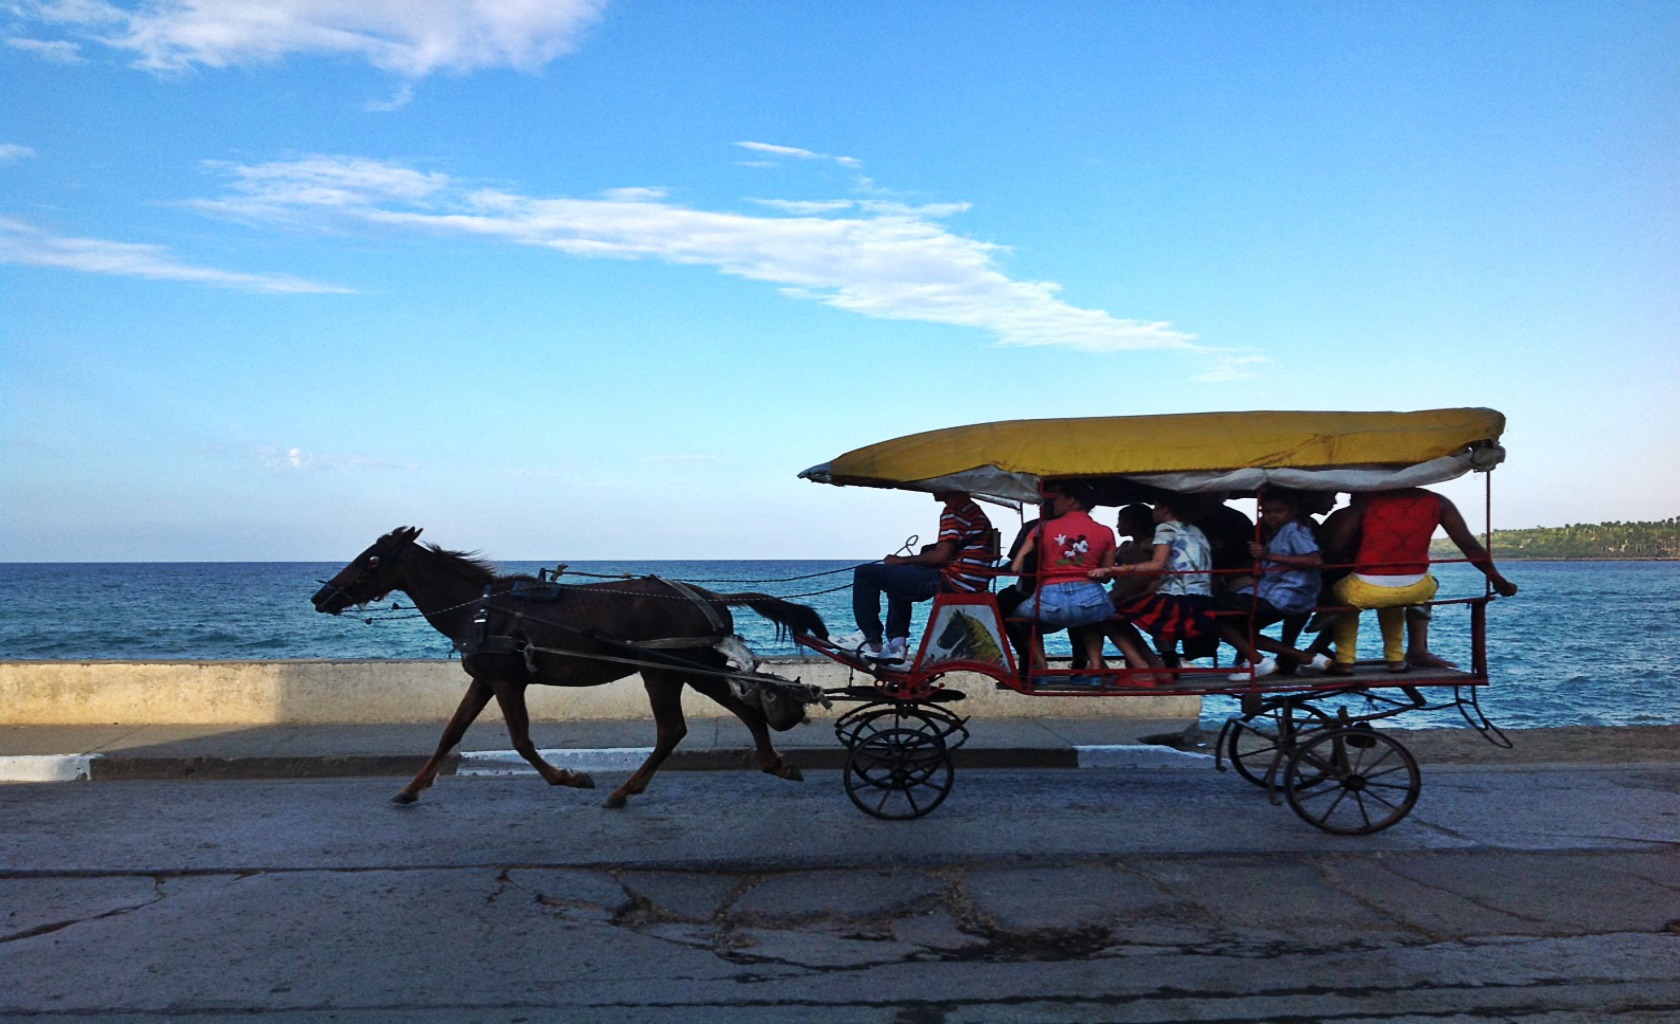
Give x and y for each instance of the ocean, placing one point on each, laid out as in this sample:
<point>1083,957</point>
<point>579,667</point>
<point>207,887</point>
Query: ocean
<point>1584,643</point>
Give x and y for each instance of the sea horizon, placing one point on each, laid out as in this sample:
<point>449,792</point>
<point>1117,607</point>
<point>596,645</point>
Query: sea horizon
<point>1551,658</point>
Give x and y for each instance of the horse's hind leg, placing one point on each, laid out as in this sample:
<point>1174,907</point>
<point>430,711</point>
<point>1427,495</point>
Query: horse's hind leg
<point>665,697</point>
<point>510,697</point>
<point>769,762</point>
<point>472,702</point>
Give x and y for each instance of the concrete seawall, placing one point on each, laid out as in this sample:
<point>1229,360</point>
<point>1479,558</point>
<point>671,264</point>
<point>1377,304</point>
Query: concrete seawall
<point>389,691</point>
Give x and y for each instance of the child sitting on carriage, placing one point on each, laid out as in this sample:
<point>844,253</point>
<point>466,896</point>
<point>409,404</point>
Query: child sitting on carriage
<point>1288,563</point>
<point>1178,608</point>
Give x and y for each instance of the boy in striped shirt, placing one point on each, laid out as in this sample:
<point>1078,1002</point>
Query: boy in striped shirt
<point>961,562</point>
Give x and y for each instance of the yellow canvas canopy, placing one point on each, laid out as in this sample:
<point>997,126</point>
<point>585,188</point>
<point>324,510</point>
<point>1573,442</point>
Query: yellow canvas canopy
<point>1190,452</point>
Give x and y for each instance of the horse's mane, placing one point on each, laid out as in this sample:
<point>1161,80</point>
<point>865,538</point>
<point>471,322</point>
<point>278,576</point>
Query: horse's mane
<point>468,564</point>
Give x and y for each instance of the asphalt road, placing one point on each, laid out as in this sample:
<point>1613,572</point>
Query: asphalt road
<point>1533,894</point>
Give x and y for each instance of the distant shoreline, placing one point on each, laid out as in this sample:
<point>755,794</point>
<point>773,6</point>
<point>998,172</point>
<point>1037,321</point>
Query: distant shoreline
<point>1581,558</point>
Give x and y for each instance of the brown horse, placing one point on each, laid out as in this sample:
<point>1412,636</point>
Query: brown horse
<point>576,636</point>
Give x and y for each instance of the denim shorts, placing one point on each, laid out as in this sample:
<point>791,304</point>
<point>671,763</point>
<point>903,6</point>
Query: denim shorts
<point>1074,603</point>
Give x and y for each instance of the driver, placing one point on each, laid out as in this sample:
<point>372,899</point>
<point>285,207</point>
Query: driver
<point>961,562</point>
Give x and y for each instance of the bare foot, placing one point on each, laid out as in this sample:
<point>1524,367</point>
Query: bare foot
<point>1429,659</point>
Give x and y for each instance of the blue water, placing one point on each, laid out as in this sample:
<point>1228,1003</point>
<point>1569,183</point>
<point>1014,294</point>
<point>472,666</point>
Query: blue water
<point>1584,643</point>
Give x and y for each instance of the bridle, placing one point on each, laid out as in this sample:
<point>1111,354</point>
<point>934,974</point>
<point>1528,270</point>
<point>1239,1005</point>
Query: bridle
<point>374,563</point>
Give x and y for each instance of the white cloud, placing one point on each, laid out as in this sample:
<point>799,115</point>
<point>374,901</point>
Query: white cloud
<point>796,153</point>
<point>26,244</point>
<point>412,38</point>
<point>58,51</point>
<point>884,260</point>
<point>1227,366</point>
<point>11,152</point>
<point>295,458</point>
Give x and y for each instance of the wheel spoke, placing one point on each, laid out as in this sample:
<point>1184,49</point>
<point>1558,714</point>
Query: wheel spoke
<point>1375,770</point>
<point>1383,800</point>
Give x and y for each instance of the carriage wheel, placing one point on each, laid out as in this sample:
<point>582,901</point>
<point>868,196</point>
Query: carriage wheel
<point>899,774</point>
<point>1260,743</point>
<point>858,724</point>
<point>1352,781</point>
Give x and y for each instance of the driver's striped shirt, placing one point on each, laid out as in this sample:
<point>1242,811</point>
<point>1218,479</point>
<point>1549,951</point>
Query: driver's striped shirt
<point>969,528</point>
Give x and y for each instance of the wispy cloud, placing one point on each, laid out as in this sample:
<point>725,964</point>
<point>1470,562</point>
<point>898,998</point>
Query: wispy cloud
<point>880,259</point>
<point>400,36</point>
<point>1228,366</point>
<point>57,51</point>
<point>11,152</point>
<point>26,244</point>
<point>796,153</point>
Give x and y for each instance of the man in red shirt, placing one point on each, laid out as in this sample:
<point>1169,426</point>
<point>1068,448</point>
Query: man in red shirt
<point>1391,568</point>
<point>960,562</point>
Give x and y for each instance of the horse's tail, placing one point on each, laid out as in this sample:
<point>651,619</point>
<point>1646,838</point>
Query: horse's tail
<point>800,618</point>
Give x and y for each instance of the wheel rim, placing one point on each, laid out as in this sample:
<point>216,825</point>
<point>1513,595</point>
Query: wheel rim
<point>1352,788</point>
<point>1256,747</point>
<point>898,774</point>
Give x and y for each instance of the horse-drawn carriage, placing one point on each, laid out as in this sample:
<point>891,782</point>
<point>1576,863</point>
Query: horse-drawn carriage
<point>1296,735</point>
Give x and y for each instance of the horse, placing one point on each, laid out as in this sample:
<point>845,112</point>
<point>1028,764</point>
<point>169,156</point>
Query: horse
<point>577,635</point>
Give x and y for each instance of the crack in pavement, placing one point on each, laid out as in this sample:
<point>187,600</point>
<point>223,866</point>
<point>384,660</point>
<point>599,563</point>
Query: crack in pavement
<point>54,926</point>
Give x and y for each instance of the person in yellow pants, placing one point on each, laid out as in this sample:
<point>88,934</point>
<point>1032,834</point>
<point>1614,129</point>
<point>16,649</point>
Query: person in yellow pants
<point>1390,603</point>
<point>1391,569</point>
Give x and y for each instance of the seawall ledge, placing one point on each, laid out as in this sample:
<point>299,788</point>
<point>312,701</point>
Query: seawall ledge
<point>372,691</point>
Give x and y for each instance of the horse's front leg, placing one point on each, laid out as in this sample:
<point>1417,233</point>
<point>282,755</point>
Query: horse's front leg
<point>511,698</point>
<point>769,762</point>
<point>472,702</point>
<point>665,698</point>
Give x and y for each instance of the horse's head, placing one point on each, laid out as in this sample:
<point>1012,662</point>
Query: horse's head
<point>370,576</point>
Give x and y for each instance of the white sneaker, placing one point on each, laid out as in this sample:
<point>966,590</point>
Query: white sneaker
<point>896,650</point>
<point>1265,668</point>
<point>1320,663</point>
<point>870,649</point>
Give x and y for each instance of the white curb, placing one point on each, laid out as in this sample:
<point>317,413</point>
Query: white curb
<point>1137,755</point>
<point>46,767</point>
<point>508,762</point>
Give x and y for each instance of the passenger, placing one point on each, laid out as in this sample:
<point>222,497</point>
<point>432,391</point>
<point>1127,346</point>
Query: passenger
<point>961,562</point>
<point>1136,523</point>
<point>1312,505</point>
<point>1391,569</point>
<point>1341,528</point>
<point>1288,562</point>
<point>1178,607</point>
<point>1067,549</point>
<point>1230,534</point>
<point>1009,598</point>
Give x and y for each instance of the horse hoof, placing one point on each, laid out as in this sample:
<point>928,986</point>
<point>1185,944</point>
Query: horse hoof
<point>581,780</point>
<point>790,773</point>
<point>403,799</point>
<point>615,802</point>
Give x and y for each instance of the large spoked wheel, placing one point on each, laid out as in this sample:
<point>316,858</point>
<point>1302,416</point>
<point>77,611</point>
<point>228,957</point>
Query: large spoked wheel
<point>1351,780</point>
<point>859,724</point>
<point>1259,744</point>
<point>899,774</point>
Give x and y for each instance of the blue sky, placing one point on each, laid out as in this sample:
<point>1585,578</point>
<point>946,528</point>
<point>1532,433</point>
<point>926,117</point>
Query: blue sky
<point>573,280</point>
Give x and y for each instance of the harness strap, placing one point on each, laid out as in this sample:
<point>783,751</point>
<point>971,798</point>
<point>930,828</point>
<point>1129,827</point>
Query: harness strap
<point>674,643</point>
<point>705,605</point>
